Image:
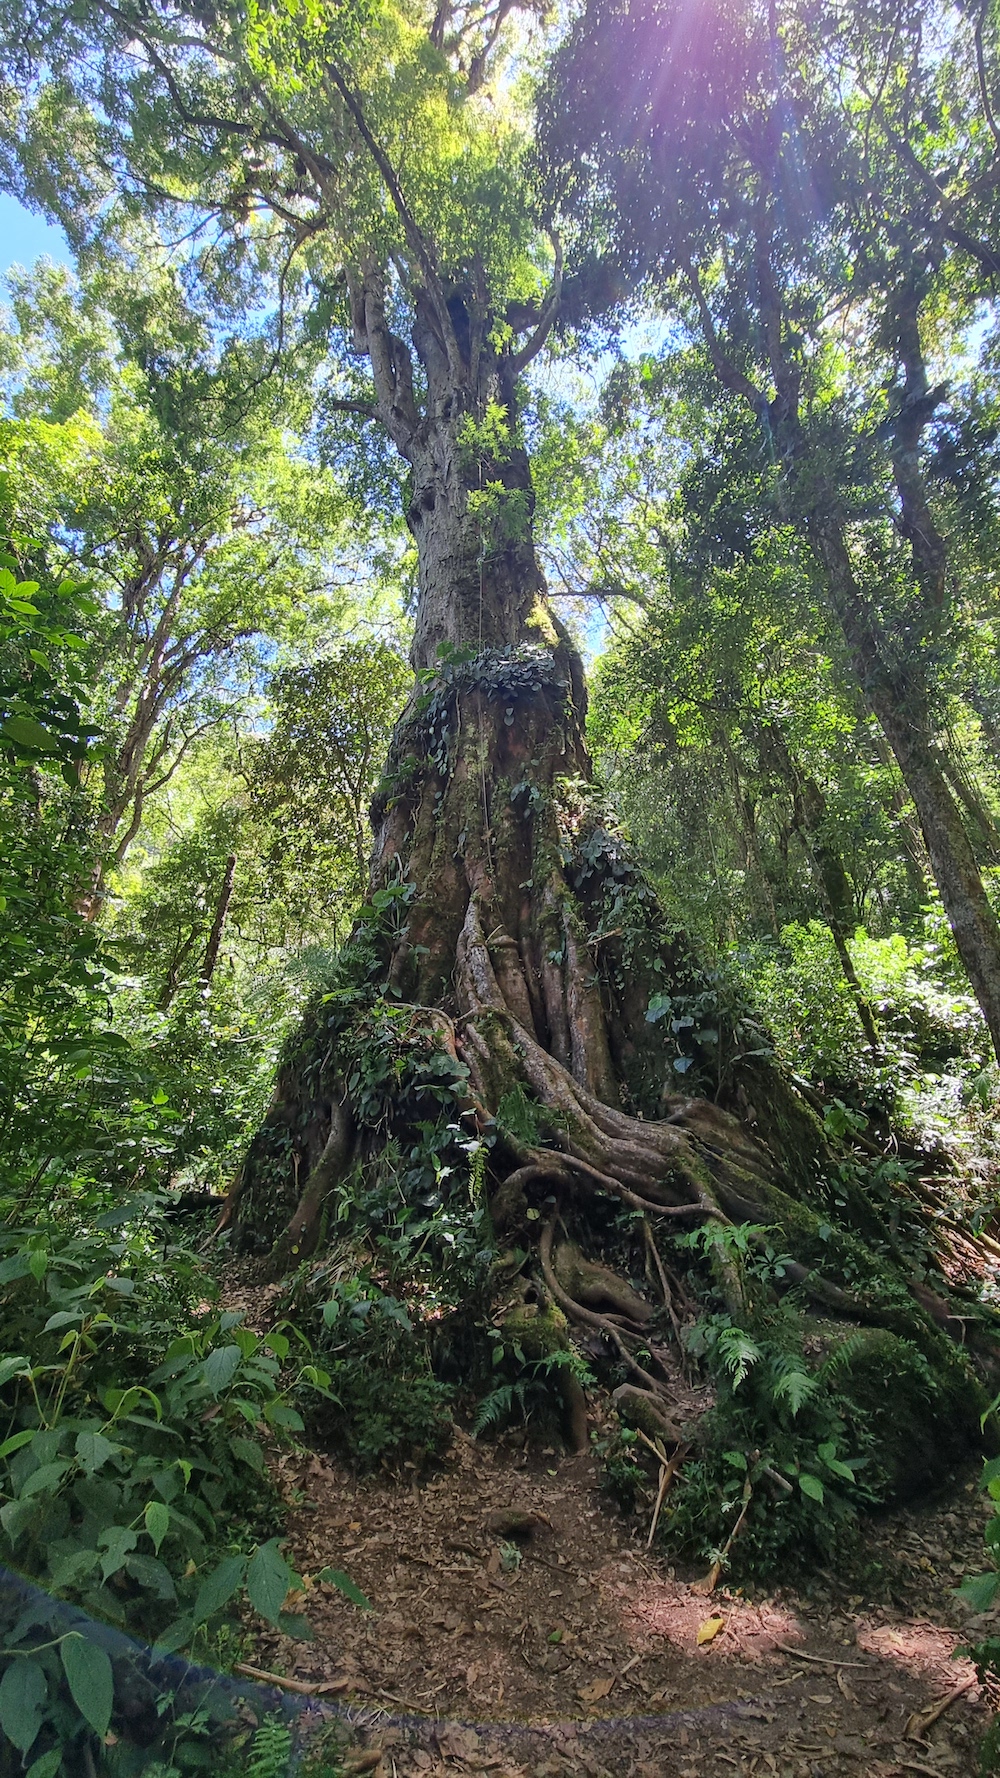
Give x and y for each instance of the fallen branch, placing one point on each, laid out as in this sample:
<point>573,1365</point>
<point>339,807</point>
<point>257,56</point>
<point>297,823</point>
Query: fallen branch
<point>818,1660</point>
<point>921,1720</point>
<point>667,1472</point>
<point>266,1678</point>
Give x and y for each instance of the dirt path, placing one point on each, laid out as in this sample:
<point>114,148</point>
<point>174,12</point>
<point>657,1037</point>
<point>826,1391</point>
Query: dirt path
<point>573,1650</point>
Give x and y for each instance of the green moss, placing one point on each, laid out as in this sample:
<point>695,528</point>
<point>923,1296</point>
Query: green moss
<point>532,1333</point>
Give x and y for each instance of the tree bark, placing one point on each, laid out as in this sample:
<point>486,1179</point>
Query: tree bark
<point>225,896</point>
<point>901,706</point>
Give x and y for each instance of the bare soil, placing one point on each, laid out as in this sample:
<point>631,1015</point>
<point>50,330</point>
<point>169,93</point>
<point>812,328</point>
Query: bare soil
<point>570,1648</point>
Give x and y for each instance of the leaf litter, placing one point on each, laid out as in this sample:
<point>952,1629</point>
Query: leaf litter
<point>519,1628</point>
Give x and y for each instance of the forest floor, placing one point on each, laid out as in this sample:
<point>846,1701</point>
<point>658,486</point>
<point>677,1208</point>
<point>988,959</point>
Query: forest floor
<point>583,1658</point>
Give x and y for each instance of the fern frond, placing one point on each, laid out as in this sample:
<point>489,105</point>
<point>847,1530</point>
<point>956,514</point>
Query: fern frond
<point>270,1750</point>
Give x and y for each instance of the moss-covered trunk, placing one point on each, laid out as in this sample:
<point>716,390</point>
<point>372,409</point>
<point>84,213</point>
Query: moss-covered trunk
<point>520,1059</point>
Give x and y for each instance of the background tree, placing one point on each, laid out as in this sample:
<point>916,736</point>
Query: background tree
<point>187,507</point>
<point>817,196</point>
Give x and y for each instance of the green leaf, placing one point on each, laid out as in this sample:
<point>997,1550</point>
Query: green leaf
<point>219,1587</point>
<point>14,1367</point>
<point>117,1542</point>
<point>157,1521</point>
<point>17,1266</point>
<point>72,1570</point>
<point>175,1636</point>
<point>795,1387</point>
<point>811,1485</point>
<point>45,1480</point>
<point>17,1441</point>
<point>220,1367</point>
<point>93,1450</point>
<point>90,1680</point>
<point>268,1580</point>
<point>248,1452</point>
<point>64,1318</point>
<point>152,1575</point>
<point>24,731</point>
<point>335,1577</point>
<point>23,1694</point>
<point>47,1764</point>
<point>978,1591</point>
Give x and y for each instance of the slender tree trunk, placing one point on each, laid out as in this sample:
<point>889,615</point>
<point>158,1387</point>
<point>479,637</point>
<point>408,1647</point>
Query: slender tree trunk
<point>901,705</point>
<point>828,870</point>
<point>211,957</point>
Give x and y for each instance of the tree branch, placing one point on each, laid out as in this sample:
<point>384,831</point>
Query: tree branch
<point>550,310</point>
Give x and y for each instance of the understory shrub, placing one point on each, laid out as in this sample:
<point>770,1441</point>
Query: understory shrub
<point>132,1476</point>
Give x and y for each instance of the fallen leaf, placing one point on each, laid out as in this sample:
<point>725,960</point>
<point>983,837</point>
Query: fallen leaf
<point>599,1688</point>
<point>821,1697</point>
<point>708,1630</point>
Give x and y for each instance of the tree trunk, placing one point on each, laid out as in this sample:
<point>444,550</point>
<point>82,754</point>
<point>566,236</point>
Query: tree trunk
<point>831,877</point>
<point>211,957</point>
<point>516,1030</point>
<point>901,704</point>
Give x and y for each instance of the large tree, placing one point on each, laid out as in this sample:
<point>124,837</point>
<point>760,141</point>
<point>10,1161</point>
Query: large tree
<point>815,191</point>
<point>512,1012</point>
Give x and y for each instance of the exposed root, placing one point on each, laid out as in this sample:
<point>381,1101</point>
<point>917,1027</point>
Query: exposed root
<point>588,1317</point>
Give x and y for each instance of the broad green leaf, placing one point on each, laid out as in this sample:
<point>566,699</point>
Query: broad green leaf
<point>175,1636</point>
<point>117,1543</point>
<point>72,1570</point>
<point>47,1764</point>
<point>24,731</point>
<point>93,1450</point>
<point>335,1577</point>
<point>979,1591</point>
<point>17,1266</point>
<point>268,1580</point>
<point>23,1693</point>
<point>248,1452</point>
<point>90,1680</point>
<point>811,1485</point>
<point>220,1367</point>
<point>16,1441</point>
<point>152,1575</point>
<point>45,1480</point>
<point>157,1522</point>
<point>219,1587</point>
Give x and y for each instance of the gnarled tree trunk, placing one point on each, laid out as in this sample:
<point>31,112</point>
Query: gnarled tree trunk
<point>513,981</point>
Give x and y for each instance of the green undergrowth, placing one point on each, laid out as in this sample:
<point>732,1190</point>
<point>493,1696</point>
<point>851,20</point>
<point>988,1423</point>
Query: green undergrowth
<point>133,1480</point>
<point>814,1422</point>
<point>979,1592</point>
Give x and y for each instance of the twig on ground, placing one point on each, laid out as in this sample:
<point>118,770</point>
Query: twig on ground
<point>818,1660</point>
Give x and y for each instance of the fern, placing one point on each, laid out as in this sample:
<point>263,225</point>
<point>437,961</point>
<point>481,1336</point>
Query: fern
<point>738,1352</point>
<point>270,1750</point>
<point>499,1406</point>
<point>794,1386</point>
<point>843,1357</point>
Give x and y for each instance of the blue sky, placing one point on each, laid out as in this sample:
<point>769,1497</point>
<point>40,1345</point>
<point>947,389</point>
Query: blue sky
<point>24,236</point>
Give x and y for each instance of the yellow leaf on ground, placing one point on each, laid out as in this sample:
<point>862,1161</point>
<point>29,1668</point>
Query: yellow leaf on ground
<point>709,1629</point>
<point>599,1688</point>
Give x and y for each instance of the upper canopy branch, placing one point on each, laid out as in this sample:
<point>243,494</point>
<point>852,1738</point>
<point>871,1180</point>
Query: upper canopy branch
<point>547,319</point>
<point>416,240</point>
